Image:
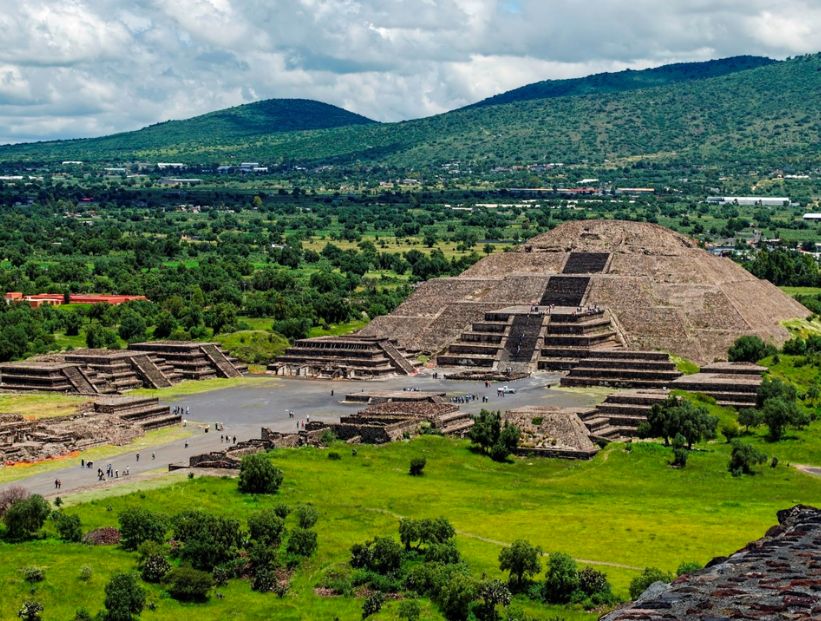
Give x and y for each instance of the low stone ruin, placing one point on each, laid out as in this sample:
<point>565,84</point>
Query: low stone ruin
<point>551,432</point>
<point>109,421</point>
<point>775,577</point>
<point>157,364</point>
<point>732,384</point>
<point>380,396</point>
<point>344,357</point>
<point>391,421</point>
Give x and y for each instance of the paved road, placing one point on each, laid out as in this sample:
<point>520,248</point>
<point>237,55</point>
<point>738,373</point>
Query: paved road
<point>243,410</point>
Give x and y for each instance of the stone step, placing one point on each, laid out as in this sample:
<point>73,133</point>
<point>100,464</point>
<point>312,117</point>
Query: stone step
<point>582,381</point>
<point>627,373</point>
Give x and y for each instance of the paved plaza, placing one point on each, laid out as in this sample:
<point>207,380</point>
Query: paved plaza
<point>266,402</point>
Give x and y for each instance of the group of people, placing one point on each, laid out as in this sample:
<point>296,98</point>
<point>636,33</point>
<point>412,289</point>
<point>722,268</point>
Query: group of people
<point>587,310</point>
<point>465,399</point>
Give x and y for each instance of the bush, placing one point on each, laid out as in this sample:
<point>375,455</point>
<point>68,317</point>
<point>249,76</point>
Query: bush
<point>456,595</point>
<point>409,610</point>
<point>85,573</point>
<point>647,577</point>
<point>124,598</point>
<point>730,430</point>
<point>264,580</point>
<point>30,611</point>
<point>743,457</point>
<point>562,578</point>
<point>372,604</point>
<point>282,511</point>
<point>338,581</point>
<point>417,466</point>
<point>153,564</point>
<point>24,518</point>
<point>68,527</point>
<point>302,542</point>
<point>33,574</point>
<point>208,540</point>
<point>593,582</point>
<point>334,456</point>
<point>266,527</point>
<point>687,567</point>
<point>749,348</point>
<point>82,615</point>
<point>189,585</point>
<point>138,525</point>
<point>382,556</point>
<point>306,516</point>
<point>257,475</point>
<point>749,417</point>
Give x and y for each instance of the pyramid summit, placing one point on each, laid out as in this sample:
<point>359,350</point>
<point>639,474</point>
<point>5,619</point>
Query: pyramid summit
<point>641,287</point>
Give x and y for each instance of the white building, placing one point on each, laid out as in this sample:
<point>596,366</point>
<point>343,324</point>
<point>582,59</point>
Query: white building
<point>763,201</point>
<point>812,216</point>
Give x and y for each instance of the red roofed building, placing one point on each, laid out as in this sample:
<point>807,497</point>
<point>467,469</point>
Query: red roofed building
<point>56,299</point>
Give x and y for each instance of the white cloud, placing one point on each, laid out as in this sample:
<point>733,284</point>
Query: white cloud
<point>88,67</point>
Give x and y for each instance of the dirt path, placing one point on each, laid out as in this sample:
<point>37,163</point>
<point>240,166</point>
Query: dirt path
<point>811,470</point>
<point>504,544</point>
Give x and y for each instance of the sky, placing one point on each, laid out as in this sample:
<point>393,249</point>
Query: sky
<point>78,68</point>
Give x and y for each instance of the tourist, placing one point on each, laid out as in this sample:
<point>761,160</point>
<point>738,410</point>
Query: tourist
<point>82,463</point>
<point>116,474</point>
<point>153,456</point>
<point>138,457</point>
<point>56,484</point>
<point>235,439</point>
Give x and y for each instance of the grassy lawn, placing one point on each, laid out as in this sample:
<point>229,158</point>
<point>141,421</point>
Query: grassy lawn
<point>254,346</point>
<point>150,439</point>
<point>34,405</point>
<point>624,508</point>
<point>801,290</point>
<point>803,327</point>
<point>338,329</point>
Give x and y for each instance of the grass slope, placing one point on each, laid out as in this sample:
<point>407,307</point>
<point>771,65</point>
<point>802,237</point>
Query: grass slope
<point>767,114</point>
<point>622,510</point>
<point>627,80</point>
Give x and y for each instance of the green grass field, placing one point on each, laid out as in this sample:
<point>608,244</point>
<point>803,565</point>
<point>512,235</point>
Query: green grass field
<point>620,511</point>
<point>40,404</point>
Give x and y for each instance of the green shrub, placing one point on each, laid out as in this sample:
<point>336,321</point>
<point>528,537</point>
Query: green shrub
<point>409,610</point>
<point>138,525</point>
<point>30,611</point>
<point>372,604</point>
<point>730,430</point>
<point>306,516</point>
<point>124,598</point>
<point>257,475</point>
<point>68,527</point>
<point>85,573</point>
<point>208,540</point>
<point>302,542</point>
<point>334,456</point>
<point>266,527</point>
<point>647,577</point>
<point>687,567</point>
<point>749,348</point>
<point>82,615</point>
<point>521,561</point>
<point>744,457</point>
<point>417,466</point>
<point>561,580</point>
<point>24,518</point>
<point>33,574</point>
<point>189,585</point>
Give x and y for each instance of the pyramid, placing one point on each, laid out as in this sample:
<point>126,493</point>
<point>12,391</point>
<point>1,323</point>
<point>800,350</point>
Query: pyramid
<point>656,289</point>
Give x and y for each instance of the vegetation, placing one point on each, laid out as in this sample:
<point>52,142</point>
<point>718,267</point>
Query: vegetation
<point>257,475</point>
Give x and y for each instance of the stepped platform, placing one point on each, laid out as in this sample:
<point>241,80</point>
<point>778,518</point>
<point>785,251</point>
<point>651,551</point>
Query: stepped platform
<point>391,421</point>
<point>190,359</point>
<point>620,414</point>
<point>146,412</point>
<point>730,384</point>
<point>350,357</point>
<point>551,432</point>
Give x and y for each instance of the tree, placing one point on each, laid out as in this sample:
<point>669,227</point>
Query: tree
<point>257,475</point>
<point>417,465</point>
<point>189,585</point>
<point>382,555</point>
<point>138,525</point>
<point>594,584</point>
<point>68,527</point>
<point>455,596</point>
<point>25,517</point>
<point>208,540</point>
<point>749,348</point>
<point>266,527</point>
<point>647,577</point>
<point>680,453</point>
<point>98,336</point>
<point>743,457</point>
<point>749,417</point>
<point>562,578</point>
<point>124,598</point>
<point>521,560</point>
<point>778,414</point>
<point>491,593</point>
<point>372,604</point>
<point>492,438</point>
<point>678,416</point>
<point>132,327</point>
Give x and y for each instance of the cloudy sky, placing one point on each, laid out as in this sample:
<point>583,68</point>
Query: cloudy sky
<point>74,68</point>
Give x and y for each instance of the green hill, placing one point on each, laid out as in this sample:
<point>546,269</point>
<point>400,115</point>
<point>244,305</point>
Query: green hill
<point>229,126</point>
<point>767,115</point>
<point>628,80</point>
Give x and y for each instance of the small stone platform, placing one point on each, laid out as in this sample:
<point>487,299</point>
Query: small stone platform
<point>379,396</point>
<point>551,432</point>
<point>344,357</point>
<point>391,421</point>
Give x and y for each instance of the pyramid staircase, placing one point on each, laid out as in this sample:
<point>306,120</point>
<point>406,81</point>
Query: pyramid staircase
<point>621,413</point>
<point>146,412</point>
